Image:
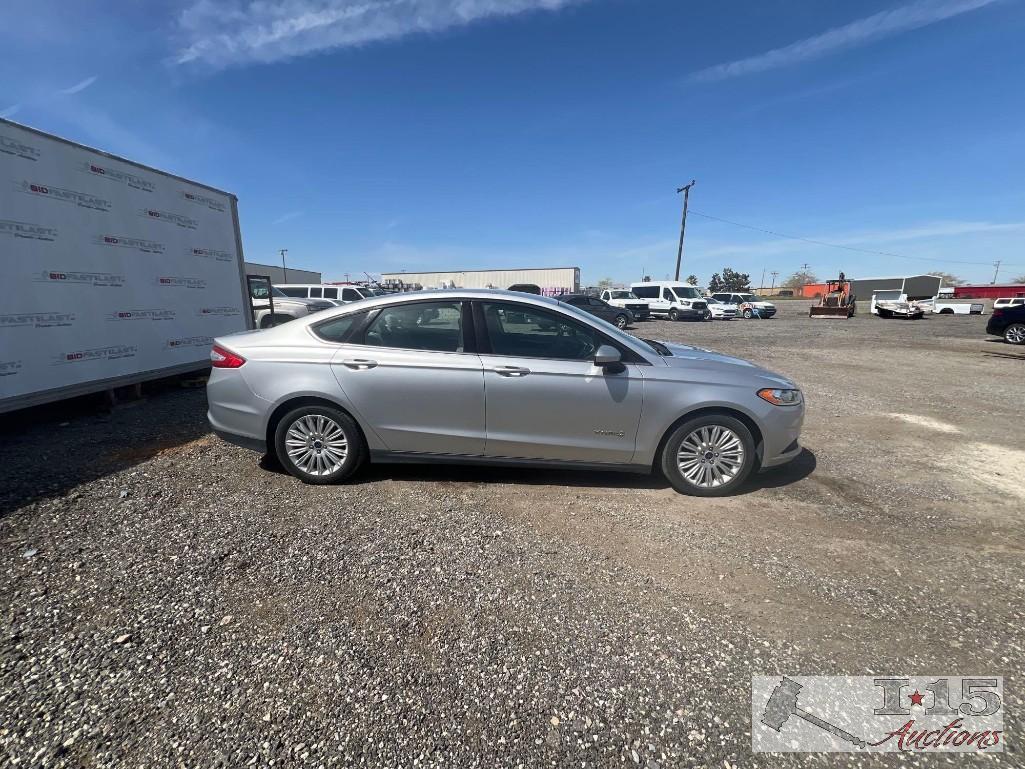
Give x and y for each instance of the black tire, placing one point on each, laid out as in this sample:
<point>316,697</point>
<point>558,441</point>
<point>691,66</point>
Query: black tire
<point>671,449</point>
<point>946,311</point>
<point>622,321</point>
<point>673,314</point>
<point>355,446</point>
<point>1015,333</point>
<point>748,315</point>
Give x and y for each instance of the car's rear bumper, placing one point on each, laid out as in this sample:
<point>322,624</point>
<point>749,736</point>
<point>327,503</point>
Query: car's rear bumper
<point>995,329</point>
<point>246,442</point>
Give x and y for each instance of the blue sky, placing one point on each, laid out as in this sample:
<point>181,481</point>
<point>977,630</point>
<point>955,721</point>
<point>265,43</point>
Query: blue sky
<point>438,134</point>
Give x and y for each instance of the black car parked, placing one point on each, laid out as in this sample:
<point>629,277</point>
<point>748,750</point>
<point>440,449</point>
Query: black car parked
<point>1008,322</point>
<point>621,316</point>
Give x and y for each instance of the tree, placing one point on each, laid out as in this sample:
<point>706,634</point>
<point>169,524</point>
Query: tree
<point>692,280</point>
<point>800,278</point>
<point>950,280</point>
<point>1019,279</point>
<point>605,283</point>
<point>730,280</point>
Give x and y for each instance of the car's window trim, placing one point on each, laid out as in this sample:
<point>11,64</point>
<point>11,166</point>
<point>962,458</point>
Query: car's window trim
<point>484,341</point>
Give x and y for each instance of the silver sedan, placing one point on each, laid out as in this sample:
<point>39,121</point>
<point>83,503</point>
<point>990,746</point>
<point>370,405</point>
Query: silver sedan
<point>495,377</point>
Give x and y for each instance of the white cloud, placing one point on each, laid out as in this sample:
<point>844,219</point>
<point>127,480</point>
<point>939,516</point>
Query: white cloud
<point>11,111</point>
<point>78,87</point>
<point>857,33</point>
<point>245,31</point>
<point>287,217</point>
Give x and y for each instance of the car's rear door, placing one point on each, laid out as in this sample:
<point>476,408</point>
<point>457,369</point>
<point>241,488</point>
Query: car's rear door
<point>545,398</point>
<point>412,375</point>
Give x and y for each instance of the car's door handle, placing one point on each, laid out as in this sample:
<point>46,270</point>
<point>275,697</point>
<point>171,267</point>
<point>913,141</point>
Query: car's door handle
<point>359,364</point>
<point>511,371</point>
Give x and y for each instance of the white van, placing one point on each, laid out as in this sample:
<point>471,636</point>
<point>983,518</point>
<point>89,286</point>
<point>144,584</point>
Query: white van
<point>335,294</point>
<point>672,299</point>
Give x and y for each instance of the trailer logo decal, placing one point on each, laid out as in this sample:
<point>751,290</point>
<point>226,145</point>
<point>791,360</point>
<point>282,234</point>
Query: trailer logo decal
<point>27,230</point>
<point>80,199</point>
<point>162,314</point>
<point>180,282</point>
<point>139,244</point>
<point>9,367</point>
<point>133,181</point>
<point>114,352</point>
<point>98,279</point>
<point>170,217</point>
<point>212,203</point>
<point>211,253</point>
<point>223,312</point>
<point>190,341</point>
<point>37,319</point>
<point>18,149</point>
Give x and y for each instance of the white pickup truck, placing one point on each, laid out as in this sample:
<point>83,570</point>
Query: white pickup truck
<point>620,297</point>
<point>947,306</point>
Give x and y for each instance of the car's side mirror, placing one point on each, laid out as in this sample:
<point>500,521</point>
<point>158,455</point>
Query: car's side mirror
<point>609,358</point>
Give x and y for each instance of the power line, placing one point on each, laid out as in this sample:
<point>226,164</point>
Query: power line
<point>836,245</point>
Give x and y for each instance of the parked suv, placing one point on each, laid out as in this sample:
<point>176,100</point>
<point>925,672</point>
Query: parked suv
<point>620,297</point>
<point>765,309</point>
<point>1008,322</point>
<point>286,308</point>
<point>672,300</point>
<point>620,316</point>
<point>337,295</point>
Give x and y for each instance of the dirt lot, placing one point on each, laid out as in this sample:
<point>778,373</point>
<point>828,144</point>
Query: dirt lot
<point>169,600</point>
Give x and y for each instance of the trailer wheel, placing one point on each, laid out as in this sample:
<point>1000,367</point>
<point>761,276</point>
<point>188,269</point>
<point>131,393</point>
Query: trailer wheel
<point>946,311</point>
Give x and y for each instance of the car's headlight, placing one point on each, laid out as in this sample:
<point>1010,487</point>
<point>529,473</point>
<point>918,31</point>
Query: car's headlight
<point>779,397</point>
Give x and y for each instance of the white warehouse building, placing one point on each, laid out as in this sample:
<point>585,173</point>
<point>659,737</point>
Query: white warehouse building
<point>551,280</point>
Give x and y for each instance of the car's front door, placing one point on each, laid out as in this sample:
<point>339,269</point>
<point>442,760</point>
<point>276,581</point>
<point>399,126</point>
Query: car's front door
<point>410,378</point>
<point>545,398</point>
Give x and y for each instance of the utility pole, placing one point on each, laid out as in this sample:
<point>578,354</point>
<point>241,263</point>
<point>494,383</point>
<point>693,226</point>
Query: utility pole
<point>283,268</point>
<point>683,223</point>
<point>761,283</point>
<point>774,273</point>
<point>996,271</point>
<point>805,267</point>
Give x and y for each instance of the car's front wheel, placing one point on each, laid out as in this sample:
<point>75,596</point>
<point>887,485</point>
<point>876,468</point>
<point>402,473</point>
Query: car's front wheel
<point>709,456</point>
<point>673,314</point>
<point>622,321</point>
<point>748,314</point>
<point>1015,333</point>
<point>319,444</point>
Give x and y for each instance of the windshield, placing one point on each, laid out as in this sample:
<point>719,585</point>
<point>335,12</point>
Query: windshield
<point>623,295</point>
<point>686,292</point>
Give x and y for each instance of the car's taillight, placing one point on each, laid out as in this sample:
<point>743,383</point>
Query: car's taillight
<point>221,358</point>
<point>997,311</point>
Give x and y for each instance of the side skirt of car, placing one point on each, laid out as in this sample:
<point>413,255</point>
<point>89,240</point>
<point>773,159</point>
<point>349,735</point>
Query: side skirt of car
<point>411,457</point>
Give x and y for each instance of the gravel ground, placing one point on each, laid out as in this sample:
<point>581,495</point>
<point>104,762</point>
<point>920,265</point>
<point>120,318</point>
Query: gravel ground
<point>170,600</point>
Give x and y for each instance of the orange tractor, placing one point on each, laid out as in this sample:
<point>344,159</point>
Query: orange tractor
<point>836,302</point>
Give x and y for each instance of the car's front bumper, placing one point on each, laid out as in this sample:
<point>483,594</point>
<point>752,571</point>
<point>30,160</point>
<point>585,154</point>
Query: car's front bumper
<point>781,432</point>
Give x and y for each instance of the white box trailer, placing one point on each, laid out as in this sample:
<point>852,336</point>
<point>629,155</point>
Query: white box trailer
<point>113,272</point>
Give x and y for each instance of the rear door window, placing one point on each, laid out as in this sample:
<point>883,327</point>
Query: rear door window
<point>433,326</point>
<point>330,293</point>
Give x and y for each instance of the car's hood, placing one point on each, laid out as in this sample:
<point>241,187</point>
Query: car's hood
<point>698,358</point>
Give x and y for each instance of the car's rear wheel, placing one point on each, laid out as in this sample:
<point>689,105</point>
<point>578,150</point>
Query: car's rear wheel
<point>319,444</point>
<point>622,321</point>
<point>1015,333</point>
<point>709,456</point>
<point>673,314</point>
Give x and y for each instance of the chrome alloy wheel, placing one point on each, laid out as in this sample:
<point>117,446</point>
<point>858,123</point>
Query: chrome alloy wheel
<point>316,444</point>
<point>1015,333</point>
<point>710,456</point>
